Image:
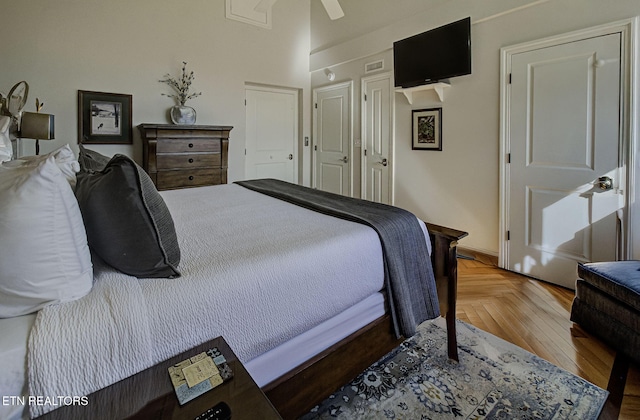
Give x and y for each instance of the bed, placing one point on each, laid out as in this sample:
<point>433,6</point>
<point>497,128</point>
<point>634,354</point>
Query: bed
<point>242,254</point>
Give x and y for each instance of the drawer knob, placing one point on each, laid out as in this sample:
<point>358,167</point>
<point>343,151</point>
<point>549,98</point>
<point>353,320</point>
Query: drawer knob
<point>190,160</point>
<point>190,145</point>
<point>190,177</point>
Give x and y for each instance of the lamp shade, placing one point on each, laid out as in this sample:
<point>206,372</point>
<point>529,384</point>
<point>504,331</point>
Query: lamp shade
<point>37,126</point>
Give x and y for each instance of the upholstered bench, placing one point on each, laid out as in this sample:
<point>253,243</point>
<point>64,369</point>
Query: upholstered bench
<point>607,304</point>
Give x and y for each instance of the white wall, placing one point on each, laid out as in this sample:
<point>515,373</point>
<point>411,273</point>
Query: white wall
<point>458,187</point>
<point>123,46</point>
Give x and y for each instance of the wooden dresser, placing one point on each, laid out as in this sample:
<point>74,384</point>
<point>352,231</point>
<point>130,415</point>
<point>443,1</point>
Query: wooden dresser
<point>181,156</point>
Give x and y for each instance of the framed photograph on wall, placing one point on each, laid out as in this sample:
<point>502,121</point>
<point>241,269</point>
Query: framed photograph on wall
<point>427,129</point>
<point>104,118</point>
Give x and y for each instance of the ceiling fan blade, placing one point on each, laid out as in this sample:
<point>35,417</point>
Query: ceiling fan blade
<point>333,9</point>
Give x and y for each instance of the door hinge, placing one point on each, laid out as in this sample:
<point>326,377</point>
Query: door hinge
<point>508,157</point>
<point>245,102</point>
<point>509,78</point>
<point>245,152</point>
<point>365,152</point>
<point>365,96</point>
<point>508,235</point>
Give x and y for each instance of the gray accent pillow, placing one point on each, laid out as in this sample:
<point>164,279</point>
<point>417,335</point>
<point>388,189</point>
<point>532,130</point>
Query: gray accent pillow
<point>128,223</point>
<point>90,160</point>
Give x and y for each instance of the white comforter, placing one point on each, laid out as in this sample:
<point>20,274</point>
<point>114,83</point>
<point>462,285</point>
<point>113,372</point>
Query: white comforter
<point>255,270</point>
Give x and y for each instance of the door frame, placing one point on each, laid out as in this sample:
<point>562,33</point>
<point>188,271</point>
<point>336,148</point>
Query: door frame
<point>349,85</point>
<point>363,121</point>
<point>629,130</point>
<point>297,144</point>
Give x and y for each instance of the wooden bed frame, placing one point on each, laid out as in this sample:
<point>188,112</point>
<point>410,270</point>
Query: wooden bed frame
<point>299,390</point>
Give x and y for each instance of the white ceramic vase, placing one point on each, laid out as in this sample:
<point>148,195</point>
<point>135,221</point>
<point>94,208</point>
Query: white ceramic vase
<point>183,115</point>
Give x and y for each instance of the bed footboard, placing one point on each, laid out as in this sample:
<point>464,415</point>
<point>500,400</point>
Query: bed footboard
<point>296,392</point>
<point>444,257</point>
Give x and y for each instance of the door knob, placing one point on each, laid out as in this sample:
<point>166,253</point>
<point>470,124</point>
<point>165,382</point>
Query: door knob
<point>344,159</point>
<point>290,156</point>
<point>384,162</point>
<point>605,183</point>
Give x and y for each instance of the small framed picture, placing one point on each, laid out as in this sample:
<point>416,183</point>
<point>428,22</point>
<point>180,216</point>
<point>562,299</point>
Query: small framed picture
<point>427,129</point>
<point>104,118</point>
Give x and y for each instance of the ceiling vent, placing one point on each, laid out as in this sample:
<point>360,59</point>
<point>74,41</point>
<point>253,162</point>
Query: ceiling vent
<point>374,66</point>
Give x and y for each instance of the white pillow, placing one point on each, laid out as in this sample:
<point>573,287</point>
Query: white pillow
<point>44,258</point>
<point>64,157</point>
<point>6,149</point>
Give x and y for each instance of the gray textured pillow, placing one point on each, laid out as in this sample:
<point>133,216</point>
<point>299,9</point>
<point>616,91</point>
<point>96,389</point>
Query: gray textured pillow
<point>128,223</point>
<point>90,160</point>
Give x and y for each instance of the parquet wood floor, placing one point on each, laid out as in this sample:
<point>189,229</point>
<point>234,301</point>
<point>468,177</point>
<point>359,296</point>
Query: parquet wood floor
<point>535,316</point>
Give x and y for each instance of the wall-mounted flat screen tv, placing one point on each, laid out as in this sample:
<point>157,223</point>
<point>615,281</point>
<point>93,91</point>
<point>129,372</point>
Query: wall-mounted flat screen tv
<point>434,55</point>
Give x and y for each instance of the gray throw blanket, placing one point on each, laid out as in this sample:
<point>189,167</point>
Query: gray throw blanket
<point>409,278</point>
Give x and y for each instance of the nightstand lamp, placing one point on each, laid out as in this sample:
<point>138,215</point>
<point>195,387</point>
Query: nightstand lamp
<point>37,126</point>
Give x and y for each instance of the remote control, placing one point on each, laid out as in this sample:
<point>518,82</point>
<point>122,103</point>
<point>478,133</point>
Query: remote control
<point>220,411</point>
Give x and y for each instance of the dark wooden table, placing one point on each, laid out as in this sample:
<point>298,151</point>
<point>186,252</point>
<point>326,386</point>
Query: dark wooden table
<point>150,395</point>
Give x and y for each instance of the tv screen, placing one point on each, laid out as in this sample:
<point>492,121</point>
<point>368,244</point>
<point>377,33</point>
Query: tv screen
<point>434,55</point>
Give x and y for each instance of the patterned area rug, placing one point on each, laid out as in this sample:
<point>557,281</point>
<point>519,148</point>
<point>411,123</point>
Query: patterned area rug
<point>494,379</point>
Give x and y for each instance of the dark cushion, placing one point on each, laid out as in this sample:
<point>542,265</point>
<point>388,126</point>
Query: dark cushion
<point>90,160</point>
<point>128,223</point>
<point>618,279</point>
<point>614,322</point>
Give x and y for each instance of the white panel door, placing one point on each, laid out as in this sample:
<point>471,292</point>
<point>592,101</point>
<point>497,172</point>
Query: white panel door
<point>272,133</point>
<point>564,135</point>
<point>332,137</point>
<point>377,136</point>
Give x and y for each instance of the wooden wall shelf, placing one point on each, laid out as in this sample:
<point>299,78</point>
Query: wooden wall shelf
<point>439,88</point>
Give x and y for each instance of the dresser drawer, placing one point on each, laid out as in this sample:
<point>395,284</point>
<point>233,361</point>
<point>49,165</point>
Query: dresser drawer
<point>188,178</point>
<point>184,161</point>
<point>188,146</point>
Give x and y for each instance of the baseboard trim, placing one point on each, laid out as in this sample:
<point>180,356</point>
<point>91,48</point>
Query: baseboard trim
<point>478,256</point>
